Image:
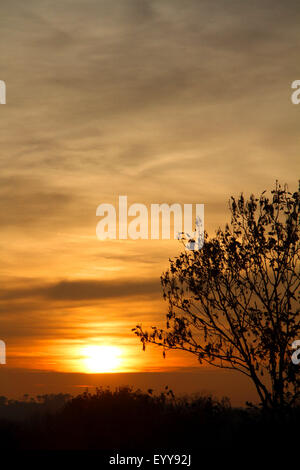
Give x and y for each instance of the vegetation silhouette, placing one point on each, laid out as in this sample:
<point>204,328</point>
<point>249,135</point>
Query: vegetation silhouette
<point>126,420</point>
<point>235,303</point>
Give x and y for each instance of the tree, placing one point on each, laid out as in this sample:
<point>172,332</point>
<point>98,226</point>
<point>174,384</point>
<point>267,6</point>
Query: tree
<point>235,303</point>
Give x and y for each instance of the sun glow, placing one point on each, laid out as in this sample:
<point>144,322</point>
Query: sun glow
<point>99,359</point>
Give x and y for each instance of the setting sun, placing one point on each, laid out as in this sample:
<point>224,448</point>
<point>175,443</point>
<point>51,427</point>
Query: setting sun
<point>99,359</point>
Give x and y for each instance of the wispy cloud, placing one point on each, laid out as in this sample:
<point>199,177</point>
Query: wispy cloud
<point>84,290</point>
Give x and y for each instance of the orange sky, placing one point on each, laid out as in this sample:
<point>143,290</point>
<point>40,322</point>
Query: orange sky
<point>162,101</point>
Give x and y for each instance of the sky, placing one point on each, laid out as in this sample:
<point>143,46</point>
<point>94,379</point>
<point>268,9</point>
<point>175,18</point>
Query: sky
<point>163,101</point>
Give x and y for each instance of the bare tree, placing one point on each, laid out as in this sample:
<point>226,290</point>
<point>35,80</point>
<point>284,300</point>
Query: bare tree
<point>235,303</point>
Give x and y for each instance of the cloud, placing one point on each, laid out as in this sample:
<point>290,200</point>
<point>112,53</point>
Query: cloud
<point>25,201</point>
<point>77,290</point>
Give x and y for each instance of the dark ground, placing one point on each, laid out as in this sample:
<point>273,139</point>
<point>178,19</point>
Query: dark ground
<point>129,420</point>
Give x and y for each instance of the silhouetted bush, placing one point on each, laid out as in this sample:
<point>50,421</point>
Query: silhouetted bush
<point>125,419</point>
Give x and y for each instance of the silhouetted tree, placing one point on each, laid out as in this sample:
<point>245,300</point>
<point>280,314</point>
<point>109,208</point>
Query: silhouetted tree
<point>235,303</point>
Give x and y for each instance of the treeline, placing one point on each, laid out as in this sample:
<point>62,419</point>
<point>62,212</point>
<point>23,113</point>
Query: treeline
<point>125,419</point>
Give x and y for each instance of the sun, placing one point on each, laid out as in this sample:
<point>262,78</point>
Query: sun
<point>99,359</point>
